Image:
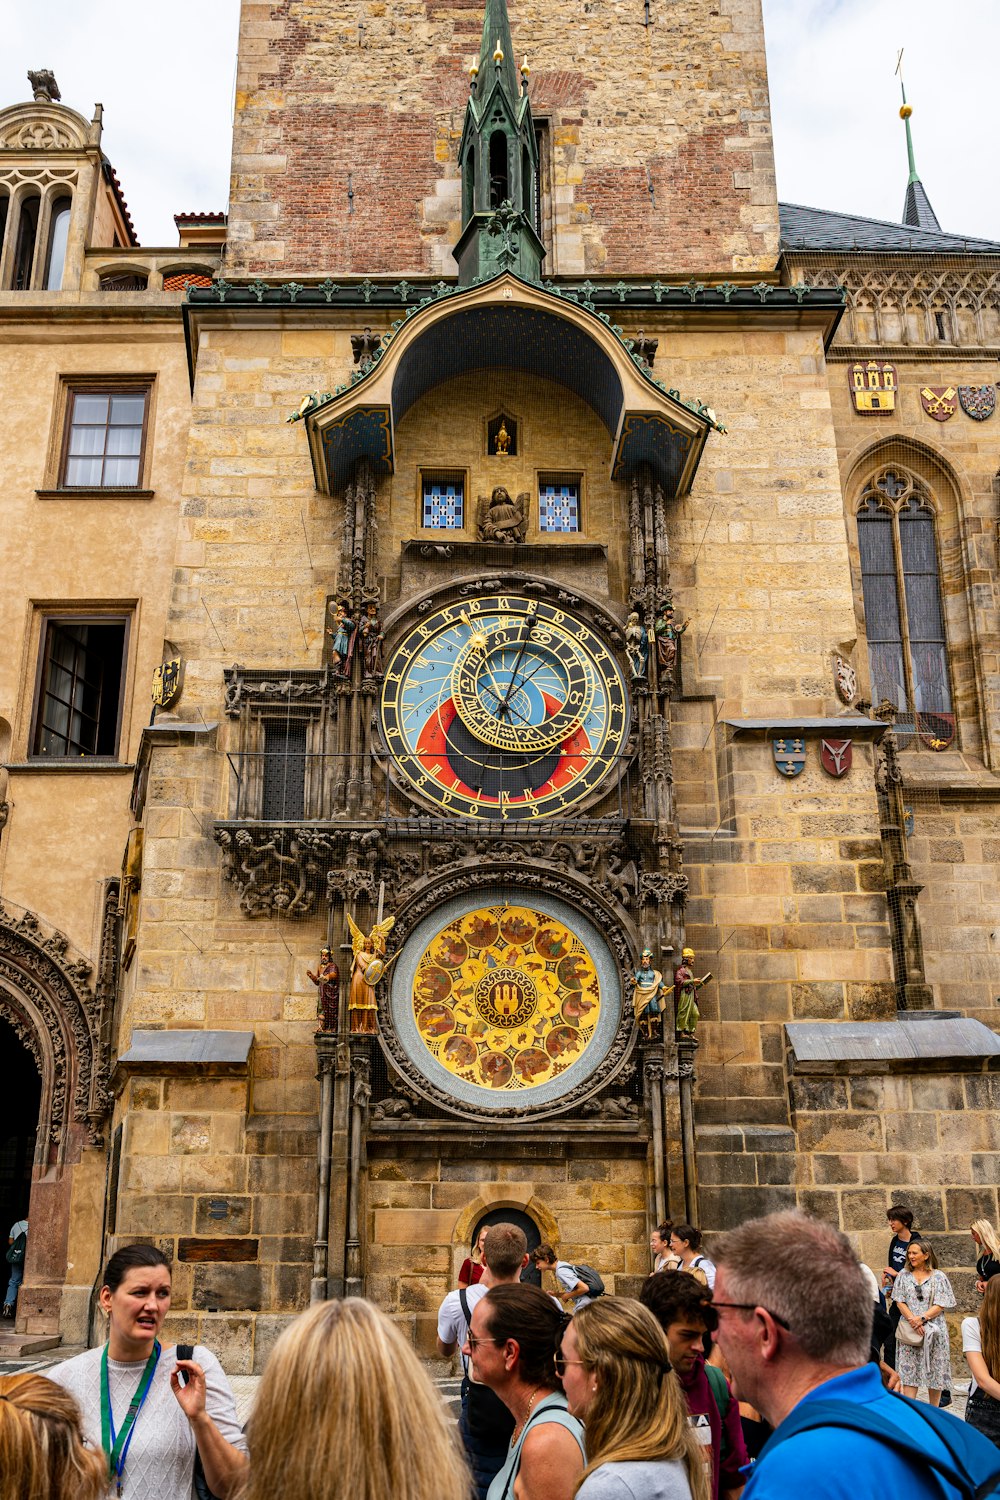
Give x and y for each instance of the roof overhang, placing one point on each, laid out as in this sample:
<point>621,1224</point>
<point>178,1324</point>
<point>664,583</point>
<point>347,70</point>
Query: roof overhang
<point>509,324</point>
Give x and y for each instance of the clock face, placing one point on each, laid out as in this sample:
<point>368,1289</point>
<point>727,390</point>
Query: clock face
<point>504,708</point>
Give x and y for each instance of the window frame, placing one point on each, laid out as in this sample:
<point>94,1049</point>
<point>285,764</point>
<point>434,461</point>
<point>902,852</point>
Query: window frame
<point>84,616</point>
<point>443,476</point>
<point>557,477</point>
<point>114,385</point>
<point>919,493</point>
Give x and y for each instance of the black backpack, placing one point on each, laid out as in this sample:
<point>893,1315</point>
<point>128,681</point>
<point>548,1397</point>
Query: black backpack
<point>16,1252</point>
<point>591,1280</point>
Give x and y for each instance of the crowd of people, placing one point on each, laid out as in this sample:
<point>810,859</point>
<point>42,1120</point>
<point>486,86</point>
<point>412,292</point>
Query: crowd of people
<point>761,1372</point>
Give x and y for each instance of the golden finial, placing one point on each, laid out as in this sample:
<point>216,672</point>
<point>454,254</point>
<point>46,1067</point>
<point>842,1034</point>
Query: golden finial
<point>905,111</point>
<point>498,53</point>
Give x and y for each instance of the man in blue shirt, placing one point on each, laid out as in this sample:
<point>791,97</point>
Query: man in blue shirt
<point>795,1325</point>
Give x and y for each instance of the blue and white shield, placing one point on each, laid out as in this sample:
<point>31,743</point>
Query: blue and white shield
<point>789,756</point>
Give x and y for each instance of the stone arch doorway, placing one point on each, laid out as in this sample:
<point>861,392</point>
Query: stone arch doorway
<point>524,1221</point>
<point>20,1102</point>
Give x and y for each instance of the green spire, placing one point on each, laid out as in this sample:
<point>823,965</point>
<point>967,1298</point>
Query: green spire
<point>917,210</point>
<point>498,155</point>
<point>496,34</point>
<point>904,114</point>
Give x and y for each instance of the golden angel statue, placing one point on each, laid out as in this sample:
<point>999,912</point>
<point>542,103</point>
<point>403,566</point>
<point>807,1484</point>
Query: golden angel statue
<point>369,966</point>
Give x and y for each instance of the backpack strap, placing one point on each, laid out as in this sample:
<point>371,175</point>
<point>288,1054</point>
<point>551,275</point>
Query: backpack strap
<point>721,1395</point>
<point>467,1315</point>
<point>853,1417</point>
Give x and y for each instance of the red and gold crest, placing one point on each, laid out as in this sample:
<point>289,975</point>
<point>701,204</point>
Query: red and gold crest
<point>873,385</point>
<point>938,401</point>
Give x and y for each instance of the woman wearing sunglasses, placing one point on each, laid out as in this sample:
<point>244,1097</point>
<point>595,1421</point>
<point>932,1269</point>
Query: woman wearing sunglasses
<point>511,1347</point>
<point>615,1367</point>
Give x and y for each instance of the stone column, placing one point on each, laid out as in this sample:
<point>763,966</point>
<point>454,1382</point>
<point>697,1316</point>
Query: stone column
<point>326,1055</point>
<point>687,1046</point>
<point>652,1072</point>
<point>360,1095</point>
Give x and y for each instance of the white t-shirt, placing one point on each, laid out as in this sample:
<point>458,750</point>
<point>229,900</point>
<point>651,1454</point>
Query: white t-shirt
<point>566,1274</point>
<point>703,1264</point>
<point>452,1327</point>
<point>160,1461</point>
<point>21,1227</point>
<point>972,1343</point>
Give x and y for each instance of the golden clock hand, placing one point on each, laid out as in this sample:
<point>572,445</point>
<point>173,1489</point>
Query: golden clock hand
<point>477,638</point>
<point>517,660</point>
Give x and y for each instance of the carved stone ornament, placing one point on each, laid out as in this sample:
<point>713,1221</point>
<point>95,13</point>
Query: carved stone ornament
<point>43,84</point>
<point>245,687</point>
<point>45,997</point>
<point>501,519</point>
<point>478,873</point>
<point>845,678</point>
<point>277,869</point>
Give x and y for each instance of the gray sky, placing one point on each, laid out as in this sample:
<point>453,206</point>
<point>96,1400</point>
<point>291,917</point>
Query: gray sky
<point>165,76</point>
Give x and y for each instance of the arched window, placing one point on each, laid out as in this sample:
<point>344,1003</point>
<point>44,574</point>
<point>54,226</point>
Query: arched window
<point>499,169</point>
<point>904,621</point>
<point>24,254</point>
<point>469,185</point>
<point>4,208</point>
<point>58,238</point>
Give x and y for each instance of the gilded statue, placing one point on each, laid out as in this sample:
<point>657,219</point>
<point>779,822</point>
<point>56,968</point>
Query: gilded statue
<point>501,519</point>
<point>502,440</point>
<point>368,968</point>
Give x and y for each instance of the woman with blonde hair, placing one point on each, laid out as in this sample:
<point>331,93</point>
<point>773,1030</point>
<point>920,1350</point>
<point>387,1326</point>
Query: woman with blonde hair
<point>981,1346</point>
<point>988,1246</point>
<point>615,1368</point>
<point>42,1456</point>
<point>346,1411</point>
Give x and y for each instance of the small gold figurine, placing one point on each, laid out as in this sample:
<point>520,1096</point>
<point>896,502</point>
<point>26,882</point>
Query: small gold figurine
<point>369,966</point>
<point>503,440</point>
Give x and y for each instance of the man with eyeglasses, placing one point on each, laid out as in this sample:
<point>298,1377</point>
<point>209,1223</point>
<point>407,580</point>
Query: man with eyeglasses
<point>795,1326</point>
<point>485,1425</point>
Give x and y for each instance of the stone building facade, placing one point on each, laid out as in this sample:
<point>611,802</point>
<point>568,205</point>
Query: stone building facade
<point>503,363</point>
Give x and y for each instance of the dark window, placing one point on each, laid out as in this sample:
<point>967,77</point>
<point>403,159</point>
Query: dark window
<point>904,621</point>
<point>105,433</point>
<point>27,230</point>
<point>80,688</point>
<point>284,787</point>
<point>499,170</point>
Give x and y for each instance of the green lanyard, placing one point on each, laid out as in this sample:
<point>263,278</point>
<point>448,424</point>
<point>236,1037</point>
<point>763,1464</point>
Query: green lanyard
<point>116,1446</point>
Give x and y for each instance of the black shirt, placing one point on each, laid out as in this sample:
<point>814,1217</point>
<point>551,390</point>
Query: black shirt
<point>897,1251</point>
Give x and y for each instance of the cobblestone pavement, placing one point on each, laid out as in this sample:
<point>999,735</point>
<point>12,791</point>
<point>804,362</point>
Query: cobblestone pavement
<point>245,1386</point>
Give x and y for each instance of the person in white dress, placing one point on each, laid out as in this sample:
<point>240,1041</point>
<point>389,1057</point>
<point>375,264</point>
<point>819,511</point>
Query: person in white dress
<point>923,1292</point>
<point>150,1412</point>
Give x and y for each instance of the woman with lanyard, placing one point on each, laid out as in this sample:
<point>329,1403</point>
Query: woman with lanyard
<point>151,1413</point>
<point>511,1348</point>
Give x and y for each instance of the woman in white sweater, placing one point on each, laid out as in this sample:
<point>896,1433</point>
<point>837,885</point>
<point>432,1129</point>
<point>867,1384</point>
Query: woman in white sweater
<point>615,1368</point>
<point>150,1412</point>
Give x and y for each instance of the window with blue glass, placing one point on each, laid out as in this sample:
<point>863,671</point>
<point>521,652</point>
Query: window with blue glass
<point>444,504</point>
<point>558,506</point>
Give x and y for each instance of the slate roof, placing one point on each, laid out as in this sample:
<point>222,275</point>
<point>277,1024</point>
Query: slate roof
<point>822,229</point>
<point>917,209</point>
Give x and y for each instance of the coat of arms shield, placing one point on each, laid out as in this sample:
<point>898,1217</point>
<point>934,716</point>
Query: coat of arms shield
<point>938,401</point>
<point>835,756</point>
<point>978,401</point>
<point>789,756</point>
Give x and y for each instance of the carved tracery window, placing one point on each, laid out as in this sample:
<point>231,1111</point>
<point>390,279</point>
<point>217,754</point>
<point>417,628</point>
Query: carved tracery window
<point>907,650</point>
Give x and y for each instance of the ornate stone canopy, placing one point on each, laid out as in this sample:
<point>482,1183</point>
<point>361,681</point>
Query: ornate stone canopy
<point>508,324</point>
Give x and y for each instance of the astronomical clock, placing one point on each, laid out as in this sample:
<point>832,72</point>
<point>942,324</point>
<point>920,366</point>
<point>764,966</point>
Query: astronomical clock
<point>504,709</point>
